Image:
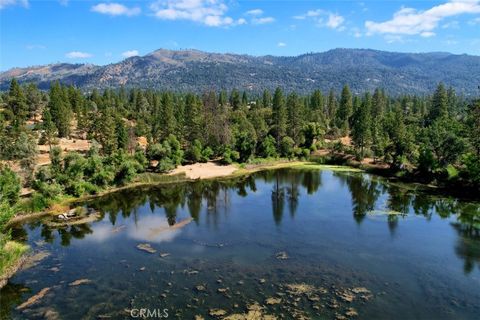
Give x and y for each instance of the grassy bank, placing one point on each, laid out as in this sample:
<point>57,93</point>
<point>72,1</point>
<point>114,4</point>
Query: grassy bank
<point>12,254</point>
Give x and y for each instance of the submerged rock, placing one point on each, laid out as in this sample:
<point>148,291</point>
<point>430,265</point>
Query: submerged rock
<point>272,301</point>
<point>351,312</point>
<point>200,288</point>
<point>146,247</point>
<point>34,259</point>
<point>217,312</point>
<point>299,288</point>
<point>164,254</point>
<point>34,299</point>
<point>282,255</point>
<point>79,282</point>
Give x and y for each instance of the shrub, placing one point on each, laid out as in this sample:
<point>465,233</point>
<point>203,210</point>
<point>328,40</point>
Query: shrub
<point>194,152</point>
<point>267,148</point>
<point>9,186</point>
<point>207,153</point>
<point>287,147</point>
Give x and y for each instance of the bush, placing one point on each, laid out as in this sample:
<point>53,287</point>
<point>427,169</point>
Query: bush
<point>207,153</point>
<point>287,147</point>
<point>194,152</point>
<point>9,186</point>
<point>472,168</point>
<point>49,190</point>
<point>230,155</point>
<point>38,202</point>
<point>267,148</point>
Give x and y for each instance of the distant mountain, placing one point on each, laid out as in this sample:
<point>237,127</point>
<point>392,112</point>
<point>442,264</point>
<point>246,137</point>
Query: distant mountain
<point>193,70</point>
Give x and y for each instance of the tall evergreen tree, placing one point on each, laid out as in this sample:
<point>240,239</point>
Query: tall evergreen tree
<point>295,115</point>
<point>279,115</point>
<point>439,103</point>
<point>361,134</point>
<point>345,110</point>
<point>17,104</point>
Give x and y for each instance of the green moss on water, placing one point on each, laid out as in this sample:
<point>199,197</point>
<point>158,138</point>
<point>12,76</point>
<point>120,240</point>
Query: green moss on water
<point>385,212</point>
<point>315,166</point>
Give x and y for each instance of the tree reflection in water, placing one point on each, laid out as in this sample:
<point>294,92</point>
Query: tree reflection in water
<point>288,187</point>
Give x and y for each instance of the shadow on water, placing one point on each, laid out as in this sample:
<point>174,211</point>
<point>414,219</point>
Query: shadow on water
<point>303,198</point>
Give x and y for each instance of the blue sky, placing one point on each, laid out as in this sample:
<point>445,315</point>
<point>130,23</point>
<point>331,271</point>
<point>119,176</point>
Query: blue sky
<point>34,32</point>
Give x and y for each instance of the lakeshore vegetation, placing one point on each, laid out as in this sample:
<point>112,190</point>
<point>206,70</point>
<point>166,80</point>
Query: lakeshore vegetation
<point>434,138</point>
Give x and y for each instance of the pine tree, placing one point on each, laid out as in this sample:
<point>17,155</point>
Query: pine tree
<point>60,109</point>
<point>169,121</point>
<point>344,111</point>
<point>331,108</point>
<point>235,99</point>
<point>279,115</point>
<point>316,105</point>
<point>17,104</point>
<point>49,128</point>
<point>266,99</point>
<point>295,115</point>
<point>122,134</point>
<point>439,103</point>
<point>361,126</point>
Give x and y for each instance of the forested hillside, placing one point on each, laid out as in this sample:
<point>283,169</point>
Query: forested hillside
<point>436,138</point>
<point>196,71</point>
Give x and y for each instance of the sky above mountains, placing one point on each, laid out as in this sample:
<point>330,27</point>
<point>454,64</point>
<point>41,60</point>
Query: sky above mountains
<point>34,32</point>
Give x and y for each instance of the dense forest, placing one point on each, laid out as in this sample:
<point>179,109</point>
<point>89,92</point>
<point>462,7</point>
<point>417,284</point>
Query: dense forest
<point>434,138</point>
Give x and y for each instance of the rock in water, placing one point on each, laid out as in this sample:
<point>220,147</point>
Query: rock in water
<point>79,282</point>
<point>34,299</point>
<point>146,247</point>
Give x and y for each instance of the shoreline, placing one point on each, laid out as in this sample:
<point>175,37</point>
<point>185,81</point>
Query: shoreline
<point>194,172</point>
<point>147,179</point>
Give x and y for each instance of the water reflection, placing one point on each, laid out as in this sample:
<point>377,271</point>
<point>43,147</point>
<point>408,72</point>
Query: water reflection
<point>288,187</point>
<point>209,203</point>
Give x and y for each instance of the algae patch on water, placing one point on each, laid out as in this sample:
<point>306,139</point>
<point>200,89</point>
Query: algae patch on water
<point>316,166</point>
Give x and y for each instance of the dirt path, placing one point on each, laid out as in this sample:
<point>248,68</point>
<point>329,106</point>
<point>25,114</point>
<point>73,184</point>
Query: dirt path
<point>205,170</point>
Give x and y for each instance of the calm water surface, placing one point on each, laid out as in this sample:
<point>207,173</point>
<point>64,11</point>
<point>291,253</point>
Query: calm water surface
<point>324,244</point>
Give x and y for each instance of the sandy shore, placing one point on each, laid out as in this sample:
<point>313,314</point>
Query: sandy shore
<point>205,170</point>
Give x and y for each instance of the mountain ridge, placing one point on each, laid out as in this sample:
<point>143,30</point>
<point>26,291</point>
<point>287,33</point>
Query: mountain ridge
<point>195,70</point>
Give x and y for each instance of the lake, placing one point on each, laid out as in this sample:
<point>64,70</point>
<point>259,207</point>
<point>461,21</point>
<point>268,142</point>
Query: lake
<point>290,243</point>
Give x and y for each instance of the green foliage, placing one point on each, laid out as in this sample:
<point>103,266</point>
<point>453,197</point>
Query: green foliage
<point>287,147</point>
<point>207,154</point>
<point>471,169</point>
<point>267,148</point>
<point>312,132</point>
<point>168,154</point>
<point>194,152</point>
<point>9,186</point>
<point>229,156</point>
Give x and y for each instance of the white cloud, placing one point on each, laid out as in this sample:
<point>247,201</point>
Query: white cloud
<point>208,12</point>
<point>263,20</point>
<point>410,21</point>
<point>130,53</point>
<point>6,3</point>
<point>324,18</point>
<point>115,9</point>
<point>281,44</point>
<point>334,21</point>
<point>78,55</point>
<point>63,2</point>
<point>255,12</point>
